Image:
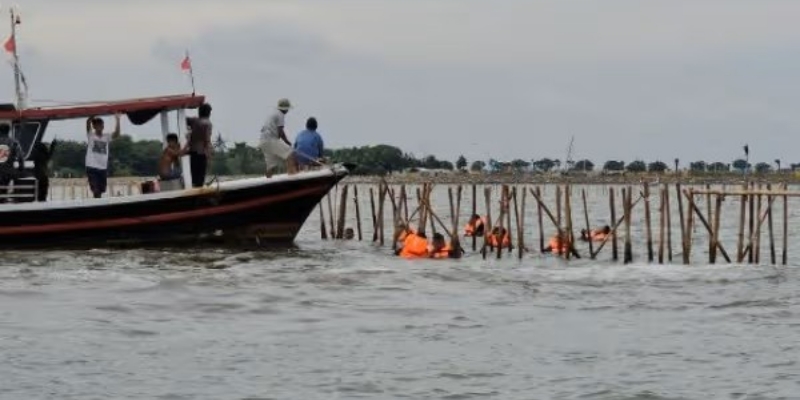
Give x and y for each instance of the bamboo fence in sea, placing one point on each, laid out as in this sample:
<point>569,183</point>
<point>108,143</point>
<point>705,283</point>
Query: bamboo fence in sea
<point>756,218</point>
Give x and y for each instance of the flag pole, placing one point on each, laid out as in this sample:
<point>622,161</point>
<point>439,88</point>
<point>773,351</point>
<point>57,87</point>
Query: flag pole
<point>191,71</point>
<point>17,72</point>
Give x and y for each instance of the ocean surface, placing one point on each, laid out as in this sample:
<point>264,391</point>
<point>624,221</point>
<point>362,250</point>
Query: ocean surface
<point>346,320</point>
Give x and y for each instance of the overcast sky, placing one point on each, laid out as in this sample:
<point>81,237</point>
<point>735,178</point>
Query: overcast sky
<point>629,79</point>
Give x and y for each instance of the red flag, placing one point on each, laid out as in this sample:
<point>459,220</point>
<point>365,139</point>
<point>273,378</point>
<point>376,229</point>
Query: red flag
<point>186,64</point>
<point>10,45</point>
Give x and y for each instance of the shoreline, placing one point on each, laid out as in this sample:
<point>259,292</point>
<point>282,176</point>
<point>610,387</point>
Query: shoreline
<point>526,178</point>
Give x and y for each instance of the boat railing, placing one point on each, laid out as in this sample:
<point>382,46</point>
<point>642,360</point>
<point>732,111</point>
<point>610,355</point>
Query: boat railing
<point>21,190</point>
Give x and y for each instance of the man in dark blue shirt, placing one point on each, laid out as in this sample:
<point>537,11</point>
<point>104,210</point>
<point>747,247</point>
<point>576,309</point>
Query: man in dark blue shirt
<point>308,145</point>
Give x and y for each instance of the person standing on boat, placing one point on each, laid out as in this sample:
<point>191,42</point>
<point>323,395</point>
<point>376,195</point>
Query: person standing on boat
<point>199,144</point>
<point>98,145</point>
<point>41,156</point>
<point>276,147</point>
<point>10,152</point>
<point>308,146</point>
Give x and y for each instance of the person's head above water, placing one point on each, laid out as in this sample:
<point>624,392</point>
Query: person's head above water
<point>438,241</point>
<point>349,234</point>
<point>606,229</point>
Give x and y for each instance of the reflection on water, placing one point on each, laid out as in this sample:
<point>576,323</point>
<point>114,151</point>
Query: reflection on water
<point>344,320</point>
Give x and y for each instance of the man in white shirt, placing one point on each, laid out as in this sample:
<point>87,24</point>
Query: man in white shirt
<point>97,149</point>
<point>276,147</point>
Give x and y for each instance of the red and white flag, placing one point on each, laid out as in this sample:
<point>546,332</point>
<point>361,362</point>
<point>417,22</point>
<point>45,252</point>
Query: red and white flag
<point>10,45</point>
<point>186,64</point>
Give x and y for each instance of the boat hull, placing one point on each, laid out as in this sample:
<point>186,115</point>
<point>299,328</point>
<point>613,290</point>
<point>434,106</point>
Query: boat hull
<point>248,212</point>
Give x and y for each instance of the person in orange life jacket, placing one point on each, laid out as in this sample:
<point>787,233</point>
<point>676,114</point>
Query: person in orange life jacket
<point>475,226</point>
<point>499,238</point>
<point>414,245</point>
<point>440,249</point>
<point>560,244</point>
<point>596,235</point>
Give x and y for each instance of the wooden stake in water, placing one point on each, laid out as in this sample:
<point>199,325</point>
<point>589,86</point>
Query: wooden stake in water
<point>322,232</point>
<point>488,229</point>
<point>742,213</point>
<point>785,254</point>
<point>751,224</point>
<point>757,248</point>
<point>612,205</point>
<point>558,205</point>
<point>503,210</point>
<point>331,224</point>
<point>668,210</point>
<point>404,202</point>
<point>342,212</point>
<point>586,218</point>
<point>772,256</point>
<point>374,215</point>
<point>687,252</point>
<point>662,218</point>
<point>381,200</point>
<point>714,235</point>
<point>358,211</point>
<point>474,211</point>
<point>709,212</point>
<point>628,255</point>
<point>520,218</point>
<point>684,241</point>
<point>508,220</point>
<point>541,223</point>
<point>648,223</point>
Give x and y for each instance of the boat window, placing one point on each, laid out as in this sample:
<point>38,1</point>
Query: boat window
<point>28,134</point>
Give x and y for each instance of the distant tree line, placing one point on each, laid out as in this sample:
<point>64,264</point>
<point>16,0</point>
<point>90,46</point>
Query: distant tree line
<point>140,158</point>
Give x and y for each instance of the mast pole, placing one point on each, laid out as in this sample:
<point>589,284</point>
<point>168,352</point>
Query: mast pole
<point>17,73</point>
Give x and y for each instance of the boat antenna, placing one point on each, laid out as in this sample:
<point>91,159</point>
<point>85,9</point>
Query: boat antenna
<point>11,46</point>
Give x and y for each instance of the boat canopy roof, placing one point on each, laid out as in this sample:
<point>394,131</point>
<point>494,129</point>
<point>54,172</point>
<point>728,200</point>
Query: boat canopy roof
<point>139,110</point>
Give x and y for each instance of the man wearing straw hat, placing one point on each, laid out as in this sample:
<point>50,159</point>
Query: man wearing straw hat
<point>276,147</point>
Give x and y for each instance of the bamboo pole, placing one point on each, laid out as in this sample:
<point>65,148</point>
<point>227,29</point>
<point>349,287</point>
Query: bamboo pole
<point>342,211</point>
<point>558,206</point>
<point>475,211</point>
<point>740,238</point>
<point>322,230</point>
<point>668,210</point>
<point>662,218</point>
<point>487,192</point>
<point>684,246</point>
<point>614,229</point>
<point>520,214</point>
<point>404,202</point>
<point>715,236</point>
<point>374,216</point>
<point>647,221</point>
<point>785,238</point>
<point>705,223</point>
<point>757,248</point>
<point>710,213</point>
<point>751,203</point>
<point>422,213</point>
<point>358,211</point>
<point>381,220</point>
<point>613,206</point>
<point>503,211</point>
<point>628,252</point>
<point>568,217</point>
<point>508,220</point>
<point>331,224</point>
<point>689,227</point>
<point>455,240</point>
<point>758,223</point>
<point>586,218</point>
<point>538,195</point>
<point>770,226</point>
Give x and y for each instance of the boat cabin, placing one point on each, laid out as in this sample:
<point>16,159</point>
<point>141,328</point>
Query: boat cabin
<point>29,125</point>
